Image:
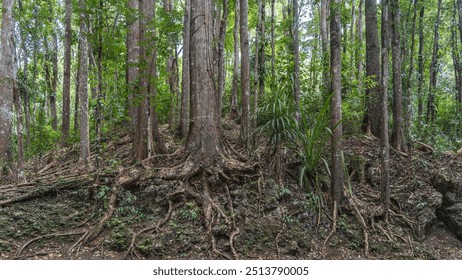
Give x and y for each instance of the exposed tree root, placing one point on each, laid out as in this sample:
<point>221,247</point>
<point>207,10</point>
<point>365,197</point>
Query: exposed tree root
<point>334,225</point>
<point>53,235</point>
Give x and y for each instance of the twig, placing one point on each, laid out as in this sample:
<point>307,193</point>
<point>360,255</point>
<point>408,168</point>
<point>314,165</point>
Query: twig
<point>19,252</point>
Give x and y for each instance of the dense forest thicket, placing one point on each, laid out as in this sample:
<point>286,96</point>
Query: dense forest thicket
<point>308,119</point>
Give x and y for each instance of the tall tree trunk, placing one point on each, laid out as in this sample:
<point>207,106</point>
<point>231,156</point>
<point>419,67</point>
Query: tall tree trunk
<point>296,45</point>
<point>397,134</point>
<point>206,147</point>
<point>456,58</point>
<point>67,72</point>
<point>245,73</point>
<point>132,70</point>
<point>235,89</point>
<point>83,89</point>
<point>384,144</point>
<point>261,51</point>
<point>54,81</point>
<point>420,62</point>
<point>324,13</point>
<point>140,147</point>
<point>6,83</point>
<point>156,143</point>
<point>371,121</point>
<point>431,109</point>
<point>185,89</point>
<point>359,43</point>
<point>273,47</point>
<point>336,103</point>
<point>459,88</point>
<point>19,132</point>
<point>221,56</point>
<point>172,67</point>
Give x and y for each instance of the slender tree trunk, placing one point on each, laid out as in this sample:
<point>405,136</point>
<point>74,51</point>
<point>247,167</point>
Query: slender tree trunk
<point>273,47</point>
<point>296,59</point>
<point>336,103</point>
<point>171,66</point>
<point>262,56</point>
<point>407,96</point>
<point>19,130</point>
<point>67,72</point>
<point>324,47</point>
<point>83,89</point>
<point>459,88</point>
<point>54,82</point>
<point>359,44</point>
<point>385,146</point>
<point>420,63</point>
<point>245,73</point>
<point>255,67</point>
<point>235,86</point>
<point>185,89</point>
<point>456,57</point>
<point>431,109</point>
<point>6,83</point>
<point>371,121</point>
<point>140,147</point>
<point>397,134</point>
<point>132,70</point>
<point>221,56</point>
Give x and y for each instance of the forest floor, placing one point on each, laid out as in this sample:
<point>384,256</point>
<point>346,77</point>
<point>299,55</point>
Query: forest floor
<point>60,210</point>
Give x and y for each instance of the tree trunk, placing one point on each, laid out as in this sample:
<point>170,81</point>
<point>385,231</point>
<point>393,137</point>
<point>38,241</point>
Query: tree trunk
<point>420,63</point>
<point>83,89</point>
<point>397,134</point>
<point>140,147</point>
<point>336,103</point>
<point>384,144</point>
<point>221,56</point>
<point>245,74</point>
<point>296,59</point>
<point>6,83</point>
<point>204,138</point>
<point>235,89</point>
<point>459,88</point>
<point>132,70</point>
<point>184,117</point>
<point>371,121</point>
<point>324,13</point>
<point>17,105</point>
<point>67,72</point>
<point>431,109</point>
<point>273,47</point>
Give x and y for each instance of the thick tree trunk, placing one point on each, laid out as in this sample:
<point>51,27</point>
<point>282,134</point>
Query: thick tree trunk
<point>67,72</point>
<point>371,121</point>
<point>235,86</point>
<point>140,146</point>
<point>336,103</point>
<point>132,70</point>
<point>397,134</point>
<point>204,138</point>
<point>431,106</point>
<point>6,83</point>
<point>245,74</point>
<point>83,90</point>
<point>185,89</point>
<point>385,146</point>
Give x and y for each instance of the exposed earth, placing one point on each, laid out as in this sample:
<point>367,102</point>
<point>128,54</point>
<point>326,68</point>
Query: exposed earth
<point>120,210</point>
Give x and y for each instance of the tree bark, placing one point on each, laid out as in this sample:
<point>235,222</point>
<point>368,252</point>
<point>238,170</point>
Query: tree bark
<point>245,74</point>
<point>296,59</point>
<point>204,138</point>
<point>273,47</point>
<point>371,121</point>
<point>397,134</point>
<point>420,65</point>
<point>384,144</point>
<point>132,70</point>
<point>235,86</point>
<point>6,83</point>
<point>336,103</point>
<point>185,89</point>
<point>324,13</point>
<point>67,72</point>
<point>83,89</point>
<point>221,55</point>
<point>459,88</point>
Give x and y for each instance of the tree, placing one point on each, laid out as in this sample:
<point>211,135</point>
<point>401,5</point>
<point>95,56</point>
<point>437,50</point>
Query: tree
<point>459,88</point>
<point>384,144</point>
<point>83,88</point>
<point>235,89</point>
<point>132,71</point>
<point>296,45</point>
<point>67,72</point>
<point>397,135</point>
<point>6,83</point>
<point>371,121</point>
<point>204,138</point>
<point>336,104</point>
<point>420,64</point>
<point>185,79</point>
<point>245,73</point>
<point>431,106</point>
